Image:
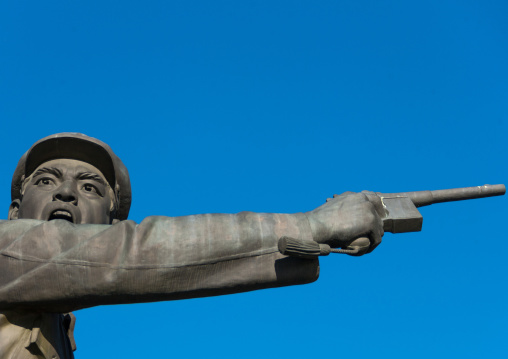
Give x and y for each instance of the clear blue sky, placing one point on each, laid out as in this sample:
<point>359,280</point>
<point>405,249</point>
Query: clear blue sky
<point>273,106</point>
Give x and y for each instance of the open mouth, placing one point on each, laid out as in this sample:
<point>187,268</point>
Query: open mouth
<point>61,214</point>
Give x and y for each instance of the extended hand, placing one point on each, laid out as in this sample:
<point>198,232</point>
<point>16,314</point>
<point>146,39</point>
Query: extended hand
<point>347,219</point>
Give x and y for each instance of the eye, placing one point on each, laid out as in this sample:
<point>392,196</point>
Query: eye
<point>45,181</point>
<point>90,188</point>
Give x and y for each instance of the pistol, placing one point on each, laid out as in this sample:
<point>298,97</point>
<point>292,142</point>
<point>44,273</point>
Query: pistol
<point>401,215</point>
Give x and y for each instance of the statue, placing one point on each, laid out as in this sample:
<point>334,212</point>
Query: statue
<point>68,245</point>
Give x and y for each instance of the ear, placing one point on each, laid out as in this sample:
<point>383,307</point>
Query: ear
<point>14,209</point>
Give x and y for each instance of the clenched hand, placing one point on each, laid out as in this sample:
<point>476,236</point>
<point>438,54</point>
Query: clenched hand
<point>349,220</point>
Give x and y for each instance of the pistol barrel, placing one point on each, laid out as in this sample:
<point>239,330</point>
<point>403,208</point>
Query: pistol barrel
<point>425,198</point>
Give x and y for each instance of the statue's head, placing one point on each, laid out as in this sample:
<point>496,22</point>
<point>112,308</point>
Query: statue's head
<point>73,177</point>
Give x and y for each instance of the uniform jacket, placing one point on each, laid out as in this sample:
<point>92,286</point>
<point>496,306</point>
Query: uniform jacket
<point>48,269</point>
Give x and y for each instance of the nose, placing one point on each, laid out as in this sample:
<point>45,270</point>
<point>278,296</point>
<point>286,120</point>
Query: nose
<point>66,193</point>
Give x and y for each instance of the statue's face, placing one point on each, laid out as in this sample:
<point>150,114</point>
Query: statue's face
<point>67,189</point>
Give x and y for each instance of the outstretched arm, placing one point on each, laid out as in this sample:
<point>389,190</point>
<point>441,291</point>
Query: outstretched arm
<point>59,266</point>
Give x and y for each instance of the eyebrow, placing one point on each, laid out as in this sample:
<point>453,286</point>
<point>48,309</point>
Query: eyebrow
<point>51,170</point>
<point>91,176</point>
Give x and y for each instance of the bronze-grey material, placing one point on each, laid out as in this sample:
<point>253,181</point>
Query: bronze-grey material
<point>68,245</point>
<point>400,216</point>
<point>162,258</point>
<point>69,145</point>
<point>401,213</point>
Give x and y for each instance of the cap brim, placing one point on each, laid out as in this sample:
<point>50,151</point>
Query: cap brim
<point>71,148</point>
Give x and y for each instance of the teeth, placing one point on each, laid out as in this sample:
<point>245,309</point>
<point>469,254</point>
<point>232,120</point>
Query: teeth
<point>62,213</point>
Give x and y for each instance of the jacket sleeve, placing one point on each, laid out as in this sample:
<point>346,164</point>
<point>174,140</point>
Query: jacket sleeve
<point>58,266</point>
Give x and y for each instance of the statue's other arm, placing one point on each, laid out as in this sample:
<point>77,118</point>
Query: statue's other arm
<point>57,266</point>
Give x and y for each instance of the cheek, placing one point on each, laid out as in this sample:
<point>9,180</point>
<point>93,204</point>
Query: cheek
<point>103,209</point>
<point>31,204</point>
<point>97,212</point>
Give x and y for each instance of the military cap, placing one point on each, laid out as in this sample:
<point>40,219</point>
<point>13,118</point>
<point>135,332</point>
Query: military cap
<point>77,146</point>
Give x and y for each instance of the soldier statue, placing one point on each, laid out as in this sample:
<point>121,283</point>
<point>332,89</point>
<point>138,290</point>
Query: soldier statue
<point>68,245</point>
